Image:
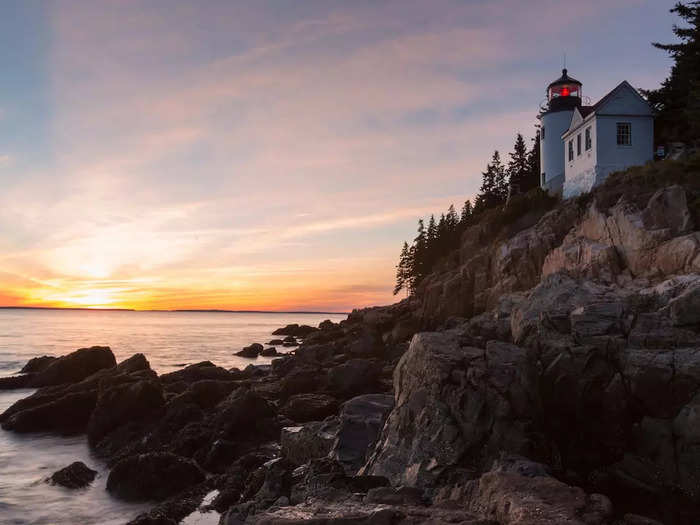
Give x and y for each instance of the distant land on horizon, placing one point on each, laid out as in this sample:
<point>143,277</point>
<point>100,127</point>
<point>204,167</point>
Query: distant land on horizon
<point>214,310</point>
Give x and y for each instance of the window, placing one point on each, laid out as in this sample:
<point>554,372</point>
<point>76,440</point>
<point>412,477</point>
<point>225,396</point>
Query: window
<point>542,133</point>
<point>589,140</point>
<point>624,134</point>
<point>578,145</point>
<point>544,179</point>
<point>571,150</point>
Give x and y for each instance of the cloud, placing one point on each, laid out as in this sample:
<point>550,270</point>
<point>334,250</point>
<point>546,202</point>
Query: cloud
<point>279,154</point>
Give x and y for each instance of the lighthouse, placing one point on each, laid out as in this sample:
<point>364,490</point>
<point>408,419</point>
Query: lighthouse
<point>563,97</point>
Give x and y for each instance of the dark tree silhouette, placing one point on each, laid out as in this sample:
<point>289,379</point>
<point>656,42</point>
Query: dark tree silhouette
<point>677,101</point>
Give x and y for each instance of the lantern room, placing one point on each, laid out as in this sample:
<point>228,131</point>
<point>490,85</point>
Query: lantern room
<point>564,93</point>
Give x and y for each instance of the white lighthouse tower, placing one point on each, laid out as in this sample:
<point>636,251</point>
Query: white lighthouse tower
<point>563,96</point>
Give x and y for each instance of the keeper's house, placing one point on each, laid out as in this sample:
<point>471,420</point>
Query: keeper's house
<point>581,145</point>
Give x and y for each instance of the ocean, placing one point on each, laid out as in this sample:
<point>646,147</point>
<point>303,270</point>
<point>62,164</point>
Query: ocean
<point>169,340</point>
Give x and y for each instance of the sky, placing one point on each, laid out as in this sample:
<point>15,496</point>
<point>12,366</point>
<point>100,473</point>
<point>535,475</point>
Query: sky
<point>269,154</point>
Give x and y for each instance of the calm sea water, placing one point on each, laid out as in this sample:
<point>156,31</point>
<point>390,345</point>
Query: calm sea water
<point>168,339</point>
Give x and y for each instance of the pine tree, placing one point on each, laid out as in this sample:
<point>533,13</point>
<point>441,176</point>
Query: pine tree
<point>451,225</point>
<point>418,268</point>
<point>431,238</point>
<point>677,101</point>
<point>500,178</point>
<point>518,165</point>
<point>466,214</point>
<point>533,164</point>
<point>403,270</point>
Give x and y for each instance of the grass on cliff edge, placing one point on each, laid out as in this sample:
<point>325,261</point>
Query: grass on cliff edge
<point>638,184</point>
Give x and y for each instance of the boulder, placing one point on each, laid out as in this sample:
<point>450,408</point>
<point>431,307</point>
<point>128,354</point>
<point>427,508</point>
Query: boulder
<point>361,421</point>
<point>74,367</point>
<point>251,351</point>
<point>300,380</point>
<point>64,413</point>
<point>356,376</point>
<point>66,408</point>
<point>245,415</point>
<point>269,352</point>
<point>309,407</point>
<point>275,342</point>
<point>513,499</point>
<point>312,440</point>
<point>119,403</point>
<point>450,399</point>
<point>37,364</point>
<point>328,325</point>
<point>295,330</point>
<point>197,372</point>
<point>74,476</point>
<point>152,476</point>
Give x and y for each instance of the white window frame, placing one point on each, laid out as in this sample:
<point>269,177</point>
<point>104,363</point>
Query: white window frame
<point>589,138</point>
<point>571,150</point>
<point>628,135</point>
<point>579,148</point>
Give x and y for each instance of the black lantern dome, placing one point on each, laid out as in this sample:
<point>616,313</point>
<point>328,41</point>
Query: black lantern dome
<point>564,93</point>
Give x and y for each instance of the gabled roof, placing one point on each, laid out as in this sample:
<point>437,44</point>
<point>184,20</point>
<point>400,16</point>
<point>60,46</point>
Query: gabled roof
<point>587,112</point>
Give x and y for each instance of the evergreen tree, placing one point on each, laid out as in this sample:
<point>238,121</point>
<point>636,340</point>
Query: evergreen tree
<point>419,257</point>
<point>500,178</point>
<point>403,270</point>
<point>466,214</point>
<point>451,226</point>
<point>432,233</point>
<point>518,165</point>
<point>677,101</point>
<point>533,164</point>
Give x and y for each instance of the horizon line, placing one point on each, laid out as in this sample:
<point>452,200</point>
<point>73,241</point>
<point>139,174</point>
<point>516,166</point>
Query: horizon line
<point>184,310</point>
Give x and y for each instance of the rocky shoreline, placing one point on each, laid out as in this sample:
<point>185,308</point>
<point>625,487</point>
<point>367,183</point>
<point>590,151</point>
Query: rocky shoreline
<point>548,374</point>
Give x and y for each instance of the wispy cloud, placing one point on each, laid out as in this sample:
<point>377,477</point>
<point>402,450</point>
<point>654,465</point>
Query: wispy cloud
<point>249,154</point>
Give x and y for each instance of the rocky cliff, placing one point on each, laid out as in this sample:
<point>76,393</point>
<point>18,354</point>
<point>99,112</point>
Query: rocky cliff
<point>546,372</point>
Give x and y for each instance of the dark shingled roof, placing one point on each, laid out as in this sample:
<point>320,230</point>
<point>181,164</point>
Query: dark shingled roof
<point>586,110</point>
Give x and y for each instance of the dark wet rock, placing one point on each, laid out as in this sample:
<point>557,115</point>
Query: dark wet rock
<point>253,371</point>
<point>309,407</point>
<point>315,353</point>
<point>312,440</point>
<point>251,351</point>
<point>396,496</point>
<point>198,372</point>
<point>245,415</point>
<point>269,352</point>
<point>37,364</point>
<point>290,329</point>
<point>66,409</point>
<point>275,342</point>
<point>328,325</point>
<point>119,403</point>
<point>290,344</point>
<point>13,382</point>
<point>301,380</point>
<point>283,365</point>
<point>74,367</point>
<point>63,414</point>
<point>354,377</point>
<point>207,393</point>
<point>74,476</point>
<point>361,421</point>
<point>152,476</point>
<point>295,330</point>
